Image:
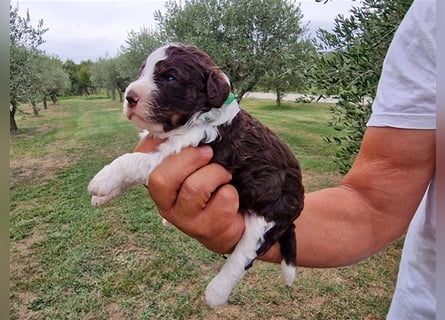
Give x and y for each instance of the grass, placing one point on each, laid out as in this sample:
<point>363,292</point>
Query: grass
<point>71,261</point>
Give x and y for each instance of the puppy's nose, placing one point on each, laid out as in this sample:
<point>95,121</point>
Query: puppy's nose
<point>132,99</point>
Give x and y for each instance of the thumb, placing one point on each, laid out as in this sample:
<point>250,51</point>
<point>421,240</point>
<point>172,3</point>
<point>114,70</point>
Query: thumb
<point>166,179</point>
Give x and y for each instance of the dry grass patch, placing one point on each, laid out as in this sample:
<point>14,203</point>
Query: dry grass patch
<point>42,167</point>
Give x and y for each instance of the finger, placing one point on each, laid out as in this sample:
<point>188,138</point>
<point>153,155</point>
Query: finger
<point>224,224</point>
<point>148,144</point>
<point>222,209</point>
<point>166,179</point>
<point>198,188</point>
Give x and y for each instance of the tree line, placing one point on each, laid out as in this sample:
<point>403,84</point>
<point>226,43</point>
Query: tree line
<point>35,76</point>
<point>258,44</point>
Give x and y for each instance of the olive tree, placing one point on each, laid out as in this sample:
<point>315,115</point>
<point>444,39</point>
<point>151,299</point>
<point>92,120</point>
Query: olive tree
<point>115,74</point>
<point>24,40</point>
<point>246,38</point>
<point>54,80</point>
<point>349,66</point>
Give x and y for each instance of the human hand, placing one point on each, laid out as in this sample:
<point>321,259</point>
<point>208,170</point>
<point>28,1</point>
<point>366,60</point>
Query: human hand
<point>195,196</point>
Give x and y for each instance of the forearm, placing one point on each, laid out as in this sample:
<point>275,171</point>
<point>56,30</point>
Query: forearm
<point>373,205</point>
<point>349,232</point>
<point>337,227</point>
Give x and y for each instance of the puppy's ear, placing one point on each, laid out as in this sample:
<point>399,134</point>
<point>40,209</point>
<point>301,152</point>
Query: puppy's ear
<point>217,90</point>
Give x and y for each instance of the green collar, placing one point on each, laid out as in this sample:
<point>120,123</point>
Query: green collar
<point>224,114</point>
<point>229,99</point>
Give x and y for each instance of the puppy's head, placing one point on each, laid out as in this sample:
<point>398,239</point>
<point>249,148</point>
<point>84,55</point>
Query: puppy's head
<point>175,83</point>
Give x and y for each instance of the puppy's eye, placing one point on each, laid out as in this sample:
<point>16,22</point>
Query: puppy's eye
<point>169,78</point>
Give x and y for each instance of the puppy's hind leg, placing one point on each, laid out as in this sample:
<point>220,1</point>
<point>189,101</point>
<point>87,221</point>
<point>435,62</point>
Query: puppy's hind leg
<point>219,289</point>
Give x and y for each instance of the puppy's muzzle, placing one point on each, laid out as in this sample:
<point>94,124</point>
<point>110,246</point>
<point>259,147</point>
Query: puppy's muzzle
<point>132,99</point>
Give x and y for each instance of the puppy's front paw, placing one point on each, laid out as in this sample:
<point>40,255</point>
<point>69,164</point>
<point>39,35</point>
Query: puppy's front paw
<point>105,186</point>
<point>97,201</point>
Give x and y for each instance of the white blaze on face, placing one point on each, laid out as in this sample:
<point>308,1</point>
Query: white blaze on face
<point>143,88</point>
<point>156,56</point>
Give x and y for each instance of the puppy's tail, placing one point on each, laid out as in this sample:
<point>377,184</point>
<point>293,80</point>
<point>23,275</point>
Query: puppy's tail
<point>288,248</point>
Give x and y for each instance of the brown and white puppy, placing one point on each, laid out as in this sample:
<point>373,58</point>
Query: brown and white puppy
<point>182,96</point>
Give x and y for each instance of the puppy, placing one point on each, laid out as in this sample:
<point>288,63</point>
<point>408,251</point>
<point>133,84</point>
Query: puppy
<point>183,97</point>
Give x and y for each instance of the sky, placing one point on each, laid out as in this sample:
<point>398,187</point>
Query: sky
<point>81,30</point>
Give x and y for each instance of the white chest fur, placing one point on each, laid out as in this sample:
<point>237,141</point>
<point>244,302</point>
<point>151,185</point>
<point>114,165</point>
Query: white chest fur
<point>135,168</point>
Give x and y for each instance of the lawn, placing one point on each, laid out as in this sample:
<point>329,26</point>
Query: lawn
<point>71,261</point>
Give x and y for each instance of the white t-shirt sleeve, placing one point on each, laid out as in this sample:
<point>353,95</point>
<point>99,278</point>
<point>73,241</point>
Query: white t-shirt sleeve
<point>406,94</point>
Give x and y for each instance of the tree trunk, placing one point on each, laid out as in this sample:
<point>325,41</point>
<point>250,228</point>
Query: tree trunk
<point>243,90</point>
<point>121,90</point>
<point>240,94</point>
<point>34,107</point>
<point>45,106</point>
<point>278,97</point>
<point>12,123</point>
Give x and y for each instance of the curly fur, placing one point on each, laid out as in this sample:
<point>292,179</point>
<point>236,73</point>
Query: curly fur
<point>179,96</point>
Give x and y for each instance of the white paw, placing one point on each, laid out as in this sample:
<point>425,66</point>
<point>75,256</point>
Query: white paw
<point>100,201</point>
<point>217,292</point>
<point>105,186</point>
